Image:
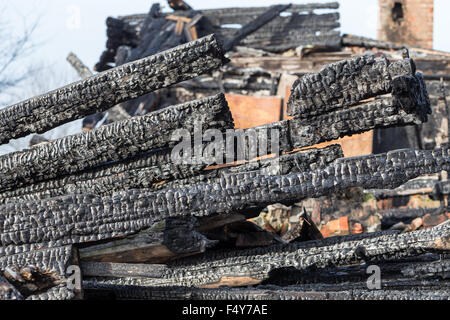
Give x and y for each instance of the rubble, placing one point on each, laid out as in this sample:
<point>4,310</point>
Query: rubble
<point>112,203</point>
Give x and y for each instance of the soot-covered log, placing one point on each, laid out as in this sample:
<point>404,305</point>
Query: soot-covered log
<point>142,171</point>
<point>156,170</point>
<point>416,186</point>
<point>345,83</point>
<point>247,267</point>
<point>381,113</point>
<point>408,105</point>
<point>81,218</point>
<point>96,290</point>
<point>147,169</point>
<point>254,25</point>
<point>117,141</point>
<point>424,267</point>
<point>163,241</point>
<point>311,159</point>
<point>39,271</point>
<point>104,90</point>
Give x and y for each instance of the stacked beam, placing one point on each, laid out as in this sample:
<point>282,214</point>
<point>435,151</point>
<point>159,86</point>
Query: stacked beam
<point>113,195</point>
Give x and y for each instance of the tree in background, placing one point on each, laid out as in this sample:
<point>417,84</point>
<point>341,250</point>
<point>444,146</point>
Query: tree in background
<point>14,47</point>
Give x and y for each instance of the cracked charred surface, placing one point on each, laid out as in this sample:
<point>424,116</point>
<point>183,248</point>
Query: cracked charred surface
<point>117,141</point>
<point>141,171</point>
<point>103,91</point>
<point>100,289</point>
<point>145,171</point>
<point>345,83</point>
<point>409,104</point>
<point>241,268</point>
<point>80,218</point>
<point>38,271</point>
<point>8,291</point>
<point>401,273</point>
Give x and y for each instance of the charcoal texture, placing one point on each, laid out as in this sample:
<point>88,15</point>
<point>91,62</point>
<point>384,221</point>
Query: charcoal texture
<point>257,263</point>
<point>381,113</point>
<point>7,291</point>
<point>83,217</point>
<point>135,292</point>
<point>145,171</point>
<point>103,91</point>
<point>49,259</point>
<point>117,141</point>
<point>345,83</point>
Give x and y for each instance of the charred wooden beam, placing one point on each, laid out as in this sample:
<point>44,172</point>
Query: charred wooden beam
<point>392,217</point>
<point>99,289</point>
<point>252,26</point>
<point>346,83</point>
<point>163,241</point>
<point>311,159</point>
<point>116,141</point>
<point>247,267</point>
<point>81,218</point>
<point>242,15</point>
<point>381,113</point>
<point>156,170</point>
<point>351,40</point>
<point>430,267</point>
<point>8,291</point>
<point>39,271</point>
<point>104,90</point>
<point>409,105</point>
<point>416,186</point>
<point>142,171</point>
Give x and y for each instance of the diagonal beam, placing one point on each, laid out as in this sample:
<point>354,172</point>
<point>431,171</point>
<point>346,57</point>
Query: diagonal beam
<point>104,90</point>
<point>117,141</point>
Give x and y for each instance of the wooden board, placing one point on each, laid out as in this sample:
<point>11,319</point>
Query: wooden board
<point>250,112</point>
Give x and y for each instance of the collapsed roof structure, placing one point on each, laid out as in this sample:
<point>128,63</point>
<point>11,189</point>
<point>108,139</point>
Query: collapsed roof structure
<point>114,202</point>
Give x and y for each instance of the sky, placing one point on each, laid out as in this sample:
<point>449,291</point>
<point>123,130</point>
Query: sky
<point>79,26</point>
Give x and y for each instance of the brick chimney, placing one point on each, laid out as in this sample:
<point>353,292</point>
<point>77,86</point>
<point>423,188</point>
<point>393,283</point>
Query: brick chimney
<point>406,21</point>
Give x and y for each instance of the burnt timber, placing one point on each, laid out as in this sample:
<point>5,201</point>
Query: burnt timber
<point>102,91</point>
<point>148,169</point>
<point>112,202</point>
<point>80,218</point>
<point>77,152</point>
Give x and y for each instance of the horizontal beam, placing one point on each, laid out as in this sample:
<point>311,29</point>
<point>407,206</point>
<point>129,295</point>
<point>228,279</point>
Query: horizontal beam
<point>345,83</point>
<point>117,141</point>
<point>104,90</point>
<point>81,218</point>
<point>156,170</point>
<point>249,267</point>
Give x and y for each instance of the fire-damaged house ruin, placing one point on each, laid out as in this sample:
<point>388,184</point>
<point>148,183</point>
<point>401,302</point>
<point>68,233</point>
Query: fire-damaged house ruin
<point>349,168</point>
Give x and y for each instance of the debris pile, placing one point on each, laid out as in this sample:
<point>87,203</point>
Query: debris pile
<point>119,212</point>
